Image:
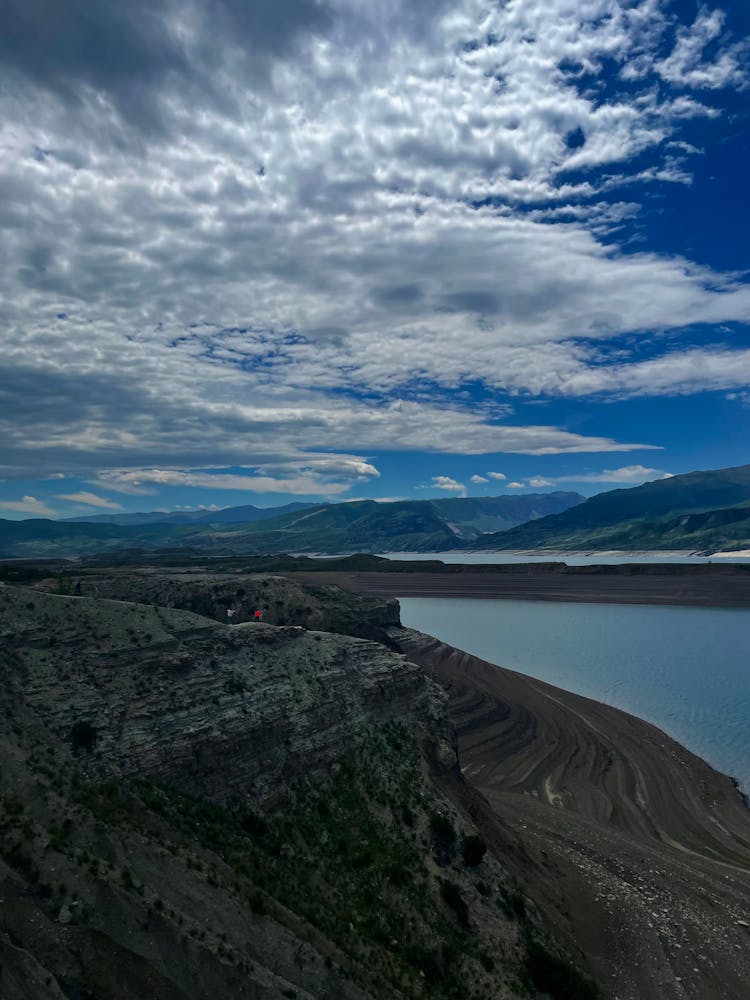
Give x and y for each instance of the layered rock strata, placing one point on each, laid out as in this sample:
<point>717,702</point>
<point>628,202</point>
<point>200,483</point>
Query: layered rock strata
<point>218,711</point>
<point>642,850</point>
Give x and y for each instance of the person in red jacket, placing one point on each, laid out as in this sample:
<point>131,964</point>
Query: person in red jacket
<point>258,616</point>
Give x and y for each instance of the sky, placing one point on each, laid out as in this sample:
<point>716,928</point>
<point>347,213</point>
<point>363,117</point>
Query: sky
<point>256,252</point>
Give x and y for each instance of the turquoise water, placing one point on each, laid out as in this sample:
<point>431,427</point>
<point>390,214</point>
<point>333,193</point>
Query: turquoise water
<point>685,669</point>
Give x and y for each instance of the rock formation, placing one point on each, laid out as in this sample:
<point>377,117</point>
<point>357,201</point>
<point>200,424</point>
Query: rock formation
<point>192,810</point>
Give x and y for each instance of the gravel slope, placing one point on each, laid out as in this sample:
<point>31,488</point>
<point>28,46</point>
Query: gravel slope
<point>642,849</point>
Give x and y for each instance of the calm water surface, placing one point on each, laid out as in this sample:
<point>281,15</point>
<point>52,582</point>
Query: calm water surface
<point>685,669</point>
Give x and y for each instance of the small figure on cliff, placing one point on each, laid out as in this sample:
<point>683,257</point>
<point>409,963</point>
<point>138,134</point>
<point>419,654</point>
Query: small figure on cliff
<point>230,615</point>
<point>258,616</point>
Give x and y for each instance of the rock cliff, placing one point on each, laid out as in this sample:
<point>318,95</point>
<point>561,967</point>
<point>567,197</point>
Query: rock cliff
<point>196,811</point>
<point>282,601</point>
<point>135,689</point>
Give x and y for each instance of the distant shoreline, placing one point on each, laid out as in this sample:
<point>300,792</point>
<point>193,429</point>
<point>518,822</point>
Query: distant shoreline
<point>685,585</point>
<point>556,555</point>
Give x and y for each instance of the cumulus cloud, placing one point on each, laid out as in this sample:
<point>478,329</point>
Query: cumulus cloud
<point>478,479</point>
<point>516,486</point>
<point>497,475</point>
<point>627,474</point>
<point>312,481</point>
<point>687,65</point>
<point>449,484</point>
<point>243,241</point>
<point>77,422</point>
<point>677,373</point>
<point>90,499</point>
<point>28,505</point>
<point>540,481</point>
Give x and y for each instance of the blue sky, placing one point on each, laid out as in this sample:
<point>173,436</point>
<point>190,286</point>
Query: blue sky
<point>329,249</point>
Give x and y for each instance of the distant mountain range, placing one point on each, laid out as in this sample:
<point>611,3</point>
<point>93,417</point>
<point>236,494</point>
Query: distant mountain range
<point>244,514</point>
<point>363,525</point>
<point>699,511</point>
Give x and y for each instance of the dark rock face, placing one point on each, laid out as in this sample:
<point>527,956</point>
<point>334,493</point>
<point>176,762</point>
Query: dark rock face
<point>281,601</point>
<point>122,889</point>
<point>218,711</point>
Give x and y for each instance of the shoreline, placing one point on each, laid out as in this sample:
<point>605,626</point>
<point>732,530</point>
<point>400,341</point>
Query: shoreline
<point>641,846</point>
<point>701,585</point>
<point>649,554</point>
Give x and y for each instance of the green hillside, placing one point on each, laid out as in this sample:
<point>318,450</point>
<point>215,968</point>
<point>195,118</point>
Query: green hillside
<point>363,525</point>
<point>471,517</point>
<point>706,511</point>
<point>359,525</point>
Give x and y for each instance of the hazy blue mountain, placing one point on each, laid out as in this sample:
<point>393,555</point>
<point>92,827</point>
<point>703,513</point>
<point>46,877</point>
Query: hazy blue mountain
<point>364,525</point>
<point>243,514</point>
<point>470,517</point>
<point>699,510</point>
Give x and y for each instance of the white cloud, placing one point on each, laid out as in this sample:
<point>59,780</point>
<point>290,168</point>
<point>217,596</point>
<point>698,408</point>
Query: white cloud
<point>673,374</point>
<point>250,254</point>
<point>28,505</point>
<point>312,482</point>
<point>448,484</point>
<point>743,398</point>
<point>497,475</point>
<point>516,486</point>
<point>625,474</point>
<point>90,499</point>
<point>478,479</point>
<point>686,64</point>
<point>630,474</point>
<point>539,481</point>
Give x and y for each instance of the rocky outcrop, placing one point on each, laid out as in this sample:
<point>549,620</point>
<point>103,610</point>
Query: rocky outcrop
<point>151,845</point>
<point>219,711</point>
<point>281,601</point>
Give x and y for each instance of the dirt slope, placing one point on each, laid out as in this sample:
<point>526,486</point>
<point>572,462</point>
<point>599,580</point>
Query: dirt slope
<point>650,847</point>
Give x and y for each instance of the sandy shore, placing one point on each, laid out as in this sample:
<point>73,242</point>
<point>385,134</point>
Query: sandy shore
<point>724,586</point>
<point>640,847</point>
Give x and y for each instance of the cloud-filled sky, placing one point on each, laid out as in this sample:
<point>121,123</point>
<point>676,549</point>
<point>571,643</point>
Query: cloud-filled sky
<point>255,251</point>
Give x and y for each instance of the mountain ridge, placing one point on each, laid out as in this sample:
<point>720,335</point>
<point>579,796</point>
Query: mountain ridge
<point>360,525</point>
<point>242,514</point>
<point>702,510</point>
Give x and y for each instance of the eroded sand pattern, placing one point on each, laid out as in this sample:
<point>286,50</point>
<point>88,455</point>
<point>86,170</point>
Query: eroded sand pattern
<point>642,849</point>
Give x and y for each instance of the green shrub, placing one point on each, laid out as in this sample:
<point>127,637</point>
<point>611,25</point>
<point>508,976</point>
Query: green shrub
<point>254,824</point>
<point>427,962</point>
<point>557,977</point>
<point>452,896</point>
<point>82,737</point>
<point>442,828</point>
<point>443,838</point>
<point>514,905</point>
<point>473,849</point>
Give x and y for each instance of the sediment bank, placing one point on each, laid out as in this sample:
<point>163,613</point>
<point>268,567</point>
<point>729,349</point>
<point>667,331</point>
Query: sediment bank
<point>669,584</point>
<point>641,848</point>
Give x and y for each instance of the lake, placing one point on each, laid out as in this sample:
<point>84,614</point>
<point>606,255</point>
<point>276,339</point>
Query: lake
<point>687,670</point>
